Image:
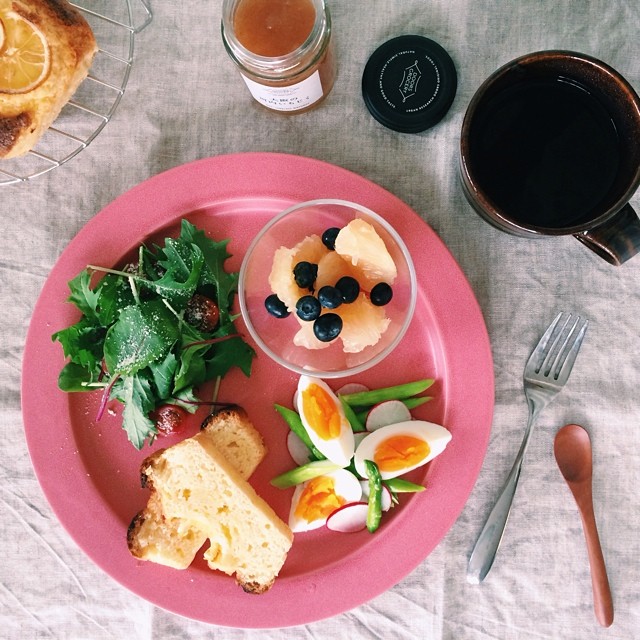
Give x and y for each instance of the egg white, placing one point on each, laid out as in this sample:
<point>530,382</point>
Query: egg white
<point>435,435</point>
<point>346,485</point>
<point>340,449</point>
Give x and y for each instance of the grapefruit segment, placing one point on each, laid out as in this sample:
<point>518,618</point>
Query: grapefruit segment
<point>363,324</point>
<point>281,278</point>
<point>306,338</point>
<point>331,268</point>
<point>360,245</point>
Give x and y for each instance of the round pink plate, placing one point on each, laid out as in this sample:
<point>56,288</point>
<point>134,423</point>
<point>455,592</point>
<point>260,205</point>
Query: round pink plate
<point>90,473</point>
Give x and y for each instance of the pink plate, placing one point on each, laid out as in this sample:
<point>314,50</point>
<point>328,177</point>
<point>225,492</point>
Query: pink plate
<point>90,473</point>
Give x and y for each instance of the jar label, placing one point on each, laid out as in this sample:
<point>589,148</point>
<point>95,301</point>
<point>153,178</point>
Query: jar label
<point>291,98</point>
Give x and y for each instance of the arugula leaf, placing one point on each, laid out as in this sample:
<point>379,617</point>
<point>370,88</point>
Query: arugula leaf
<point>75,377</point>
<point>82,295</point>
<point>182,264</point>
<point>114,293</point>
<point>234,352</point>
<point>135,393</point>
<point>82,342</point>
<point>163,374</point>
<point>192,369</point>
<point>213,272</point>
<point>187,399</point>
<point>141,335</point>
<point>149,264</point>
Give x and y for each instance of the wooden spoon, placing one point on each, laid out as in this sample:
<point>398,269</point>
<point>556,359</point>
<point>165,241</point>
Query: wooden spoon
<point>572,449</point>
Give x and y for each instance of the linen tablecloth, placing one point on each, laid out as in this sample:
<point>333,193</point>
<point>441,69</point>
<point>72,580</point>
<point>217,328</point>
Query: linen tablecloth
<point>184,100</point>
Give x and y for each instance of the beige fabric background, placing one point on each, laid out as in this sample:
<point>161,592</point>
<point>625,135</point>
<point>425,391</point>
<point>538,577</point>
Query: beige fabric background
<point>184,101</point>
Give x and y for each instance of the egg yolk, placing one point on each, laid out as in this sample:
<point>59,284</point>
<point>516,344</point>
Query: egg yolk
<point>400,452</point>
<point>319,409</point>
<point>318,500</point>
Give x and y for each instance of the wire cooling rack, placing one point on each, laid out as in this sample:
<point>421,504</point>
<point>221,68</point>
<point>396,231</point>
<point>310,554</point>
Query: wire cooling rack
<point>115,24</point>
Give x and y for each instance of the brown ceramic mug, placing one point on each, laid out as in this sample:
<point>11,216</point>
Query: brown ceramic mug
<point>550,146</point>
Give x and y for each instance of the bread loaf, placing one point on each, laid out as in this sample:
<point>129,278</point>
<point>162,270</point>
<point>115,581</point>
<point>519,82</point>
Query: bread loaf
<point>196,486</point>
<point>172,541</point>
<point>70,47</point>
<point>231,431</point>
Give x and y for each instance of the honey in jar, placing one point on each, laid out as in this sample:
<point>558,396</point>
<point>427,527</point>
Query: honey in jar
<point>283,50</point>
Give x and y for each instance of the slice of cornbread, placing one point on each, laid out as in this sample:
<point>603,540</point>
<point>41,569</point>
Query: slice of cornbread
<point>196,483</point>
<point>172,541</point>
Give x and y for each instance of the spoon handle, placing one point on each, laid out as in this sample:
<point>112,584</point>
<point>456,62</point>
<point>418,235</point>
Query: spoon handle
<point>602,600</point>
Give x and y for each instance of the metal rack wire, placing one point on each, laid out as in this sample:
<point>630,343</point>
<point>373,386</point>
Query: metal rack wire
<point>115,25</point>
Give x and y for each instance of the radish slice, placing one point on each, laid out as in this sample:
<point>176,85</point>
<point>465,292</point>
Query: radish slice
<point>386,413</point>
<point>359,436</point>
<point>387,502</point>
<point>298,450</point>
<point>352,387</point>
<point>349,518</point>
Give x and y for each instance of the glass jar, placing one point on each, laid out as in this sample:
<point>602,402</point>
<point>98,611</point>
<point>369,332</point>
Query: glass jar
<point>287,81</point>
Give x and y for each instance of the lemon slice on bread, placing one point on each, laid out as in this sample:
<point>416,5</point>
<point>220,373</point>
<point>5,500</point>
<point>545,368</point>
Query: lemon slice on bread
<point>24,54</point>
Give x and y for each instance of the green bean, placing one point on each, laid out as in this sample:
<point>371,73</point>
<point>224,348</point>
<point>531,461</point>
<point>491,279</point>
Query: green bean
<point>374,509</point>
<point>398,392</point>
<point>294,422</point>
<point>412,403</point>
<point>398,485</point>
<point>354,421</point>
<point>305,472</point>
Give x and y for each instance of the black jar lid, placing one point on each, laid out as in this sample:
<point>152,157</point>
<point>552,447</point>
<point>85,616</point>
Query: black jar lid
<point>409,83</point>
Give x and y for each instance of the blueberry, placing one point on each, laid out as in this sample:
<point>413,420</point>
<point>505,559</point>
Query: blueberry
<point>327,327</point>
<point>305,274</point>
<point>348,288</point>
<point>308,308</point>
<point>329,297</point>
<point>381,294</point>
<point>329,237</point>
<point>275,306</point>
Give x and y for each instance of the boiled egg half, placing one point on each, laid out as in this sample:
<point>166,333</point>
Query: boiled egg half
<point>401,447</point>
<point>324,420</point>
<point>316,499</point>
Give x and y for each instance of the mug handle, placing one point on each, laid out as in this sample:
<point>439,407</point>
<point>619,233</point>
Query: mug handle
<point>616,240</point>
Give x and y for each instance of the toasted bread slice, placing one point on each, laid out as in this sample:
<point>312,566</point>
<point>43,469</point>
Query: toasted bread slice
<point>239,441</point>
<point>172,541</point>
<point>197,484</point>
<point>24,117</point>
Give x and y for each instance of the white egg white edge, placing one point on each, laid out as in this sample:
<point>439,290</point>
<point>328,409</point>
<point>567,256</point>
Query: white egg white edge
<point>339,450</point>
<point>347,485</point>
<point>437,436</point>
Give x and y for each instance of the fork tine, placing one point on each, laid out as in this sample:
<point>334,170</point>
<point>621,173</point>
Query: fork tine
<point>570,350</point>
<point>539,353</point>
<point>552,353</point>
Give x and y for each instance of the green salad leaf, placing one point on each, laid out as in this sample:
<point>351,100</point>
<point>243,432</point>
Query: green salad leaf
<point>134,339</point>
<point>141,335</point>
<point>136,395</point>
<point>182,264</point>
<point>85,298</point>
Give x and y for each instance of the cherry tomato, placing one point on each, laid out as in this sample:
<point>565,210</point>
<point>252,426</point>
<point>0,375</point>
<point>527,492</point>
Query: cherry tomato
<point>169,419</point>
<point>202,313</point>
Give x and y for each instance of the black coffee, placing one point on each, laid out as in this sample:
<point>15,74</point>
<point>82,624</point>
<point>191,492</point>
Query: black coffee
<point>545,152</point>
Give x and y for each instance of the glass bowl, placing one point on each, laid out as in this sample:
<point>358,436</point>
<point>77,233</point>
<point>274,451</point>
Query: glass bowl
<point>275,336</point>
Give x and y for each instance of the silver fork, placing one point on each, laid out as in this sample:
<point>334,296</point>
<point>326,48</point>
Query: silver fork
<point>545,374</point>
